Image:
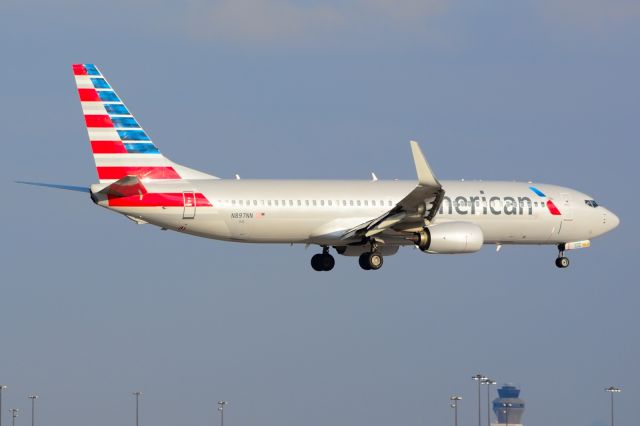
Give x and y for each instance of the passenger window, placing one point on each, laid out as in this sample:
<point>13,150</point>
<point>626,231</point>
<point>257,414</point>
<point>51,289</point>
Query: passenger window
<point>233,202</point>
<point>329,203</point>
<point>306,202</point>
<point>373,203</point>
<point>358,203</point>
<point>366,203</point>
<point>299,203</point>
<point>314,203</point>
<point>390,203</point>
<point>276,203</point>
<point>269,202</point>
<point>344,203</point>
<point>322,203</point>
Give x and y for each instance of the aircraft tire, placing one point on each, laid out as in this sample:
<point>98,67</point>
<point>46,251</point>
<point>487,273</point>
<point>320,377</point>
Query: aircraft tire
<point>562,262</point>
<point>375,260</point>
<point>316,262</point>
<point>327,262</point>
<point>363,260</point>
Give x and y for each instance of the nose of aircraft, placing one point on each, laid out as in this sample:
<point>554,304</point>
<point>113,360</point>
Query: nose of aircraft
<point>610,220</point>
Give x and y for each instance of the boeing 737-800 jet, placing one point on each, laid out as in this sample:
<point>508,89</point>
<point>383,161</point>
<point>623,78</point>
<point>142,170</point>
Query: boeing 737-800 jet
<point>368,219</point>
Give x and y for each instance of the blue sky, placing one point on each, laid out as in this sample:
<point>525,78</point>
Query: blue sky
<point>93,307</point>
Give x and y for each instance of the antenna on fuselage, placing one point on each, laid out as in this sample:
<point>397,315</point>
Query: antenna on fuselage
<point>237,176</point>
<point>374,177</point>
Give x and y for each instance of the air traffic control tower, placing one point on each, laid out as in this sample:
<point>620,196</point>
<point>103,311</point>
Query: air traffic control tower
<point>508,407</point>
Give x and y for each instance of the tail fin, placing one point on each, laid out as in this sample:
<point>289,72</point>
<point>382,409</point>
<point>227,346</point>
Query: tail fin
<point>120,146</point>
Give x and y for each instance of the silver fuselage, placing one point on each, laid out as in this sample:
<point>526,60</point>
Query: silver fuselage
<point>320,211</point>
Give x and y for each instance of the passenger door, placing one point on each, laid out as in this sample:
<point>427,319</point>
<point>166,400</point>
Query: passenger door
<point>567,208</point>
<point>189,198</point>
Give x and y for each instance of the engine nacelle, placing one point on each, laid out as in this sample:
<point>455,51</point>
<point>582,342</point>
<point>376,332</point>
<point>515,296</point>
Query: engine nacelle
<point>450,238</point>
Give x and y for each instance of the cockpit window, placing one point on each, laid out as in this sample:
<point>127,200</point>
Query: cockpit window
<point>591,203</point>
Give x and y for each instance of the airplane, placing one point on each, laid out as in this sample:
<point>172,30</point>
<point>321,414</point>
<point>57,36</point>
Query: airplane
<point>367,219</point>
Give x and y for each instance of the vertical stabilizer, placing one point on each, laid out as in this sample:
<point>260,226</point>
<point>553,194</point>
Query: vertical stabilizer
<point>119,144</point>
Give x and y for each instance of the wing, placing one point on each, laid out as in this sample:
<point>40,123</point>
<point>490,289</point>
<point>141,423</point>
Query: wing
<point>414,211</point>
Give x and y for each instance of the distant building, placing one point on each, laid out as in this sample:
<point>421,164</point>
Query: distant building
<point>508,407</point>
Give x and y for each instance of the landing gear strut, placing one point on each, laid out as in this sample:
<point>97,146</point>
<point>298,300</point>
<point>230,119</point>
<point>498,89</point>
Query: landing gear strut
<point>561,261</point>
<point>371,260</point>
<point>323,261</point>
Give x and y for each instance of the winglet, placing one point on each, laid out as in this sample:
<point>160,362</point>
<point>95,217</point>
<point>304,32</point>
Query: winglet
<point>425,175</point>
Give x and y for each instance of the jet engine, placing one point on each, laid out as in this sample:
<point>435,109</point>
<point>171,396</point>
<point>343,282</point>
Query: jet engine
<point>450,238</point>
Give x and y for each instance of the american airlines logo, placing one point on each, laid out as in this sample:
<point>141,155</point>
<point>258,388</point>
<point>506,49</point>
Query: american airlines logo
<point>483,205</point>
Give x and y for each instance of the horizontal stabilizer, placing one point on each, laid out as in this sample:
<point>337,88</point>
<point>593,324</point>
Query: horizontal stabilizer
<point>56,186</point>
<point>126,187</point>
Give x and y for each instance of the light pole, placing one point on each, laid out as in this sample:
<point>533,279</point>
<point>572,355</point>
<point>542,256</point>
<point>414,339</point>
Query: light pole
<point>221,405</point>
<point>454,404</point>
<point>33,408</point>
<point>479,378</point>
<point>1,388</point>
<point>489,382</point>
<point>137,395</point>
<point>506,406</point>
<point>14,414</point>
<point>612,390</point>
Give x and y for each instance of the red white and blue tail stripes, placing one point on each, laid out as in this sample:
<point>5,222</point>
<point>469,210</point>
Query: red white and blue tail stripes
<point>120,146</point>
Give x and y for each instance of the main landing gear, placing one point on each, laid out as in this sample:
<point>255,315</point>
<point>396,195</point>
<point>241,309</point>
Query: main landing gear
<point>371,260</point>
<point>323,261</point>
<point>561,261</point>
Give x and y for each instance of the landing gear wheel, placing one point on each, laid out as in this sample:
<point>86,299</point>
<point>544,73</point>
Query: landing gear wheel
<point>375,260</point>
<point>316,262</point>
<point>363,260</point>
<point>322,262</point>
<point>370,261</point>
<point>327,262</point>
<point>562,262</point>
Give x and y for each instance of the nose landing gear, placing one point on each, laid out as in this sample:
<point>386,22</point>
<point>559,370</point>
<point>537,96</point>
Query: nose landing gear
<point>561,261</point>
<point>323,261</point>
